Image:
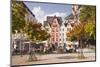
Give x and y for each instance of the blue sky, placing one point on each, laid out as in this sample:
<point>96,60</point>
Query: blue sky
<point>42,10</point>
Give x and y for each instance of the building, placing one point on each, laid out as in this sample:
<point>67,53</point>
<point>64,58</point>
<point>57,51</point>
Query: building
<point>52,25</point>
<point>69,22</point>
<point>29,17</point>
<point>57,29</point>
<point>73,18</point>
<point>63,35</point>
<point>76,12</point>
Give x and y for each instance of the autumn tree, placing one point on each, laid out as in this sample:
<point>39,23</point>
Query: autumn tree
<point>86,27</point>
<point>88,16</point>
<point>35,32</point>
<point>78,33</point>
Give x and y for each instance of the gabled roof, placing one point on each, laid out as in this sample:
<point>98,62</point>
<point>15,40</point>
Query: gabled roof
<point>50,20</point>
<point>69,17</point>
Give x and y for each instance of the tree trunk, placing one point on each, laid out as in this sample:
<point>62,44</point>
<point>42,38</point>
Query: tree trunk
<point>81,49</point>
<point>32,55</point>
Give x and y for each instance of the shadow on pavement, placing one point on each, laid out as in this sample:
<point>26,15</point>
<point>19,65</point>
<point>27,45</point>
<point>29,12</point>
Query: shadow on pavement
<point>66,57</point>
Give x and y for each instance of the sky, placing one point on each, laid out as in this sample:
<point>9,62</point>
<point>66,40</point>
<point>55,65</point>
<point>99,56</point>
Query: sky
<point>42,10</point>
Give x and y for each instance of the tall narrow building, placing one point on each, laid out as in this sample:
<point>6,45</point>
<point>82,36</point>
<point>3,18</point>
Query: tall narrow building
<point>76,12</point>
<point>54,29</point>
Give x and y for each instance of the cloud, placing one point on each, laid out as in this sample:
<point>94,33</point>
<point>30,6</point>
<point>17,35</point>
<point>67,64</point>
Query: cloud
<point>59,14</point>
<point>41,14</point>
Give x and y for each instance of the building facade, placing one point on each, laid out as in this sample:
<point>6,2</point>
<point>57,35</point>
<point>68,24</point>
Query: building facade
<point>76,12</point>
<point>73,18</point>
<point>63,37</point>
<point>57,29</point>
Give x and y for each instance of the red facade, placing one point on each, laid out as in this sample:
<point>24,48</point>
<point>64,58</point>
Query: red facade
<point>55,30</point>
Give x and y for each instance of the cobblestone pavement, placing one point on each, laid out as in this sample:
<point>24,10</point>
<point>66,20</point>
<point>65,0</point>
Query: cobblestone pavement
<point>53,58</point>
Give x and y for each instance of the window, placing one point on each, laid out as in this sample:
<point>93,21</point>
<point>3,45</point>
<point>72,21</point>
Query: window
<point>59,43</point>
<point>60,29</point>
<point>63,39</point>
<point>53,30</point>
<point>56,30</point>
<point>62,34</point>
<point>63,29</point>
<point>56,39</point>
<point>56,34</point>
<point>52,35</point>
<point>60,39</point>
<point>52,39</point>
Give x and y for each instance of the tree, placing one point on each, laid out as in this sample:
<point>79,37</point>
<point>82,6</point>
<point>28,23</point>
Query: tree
<point>86,27</point>
<point>88,13</point>
<point>18,15</point>
<point>35,32</point>
<point>78,33</point>
<point>90,30</point>
<point>88,16</point>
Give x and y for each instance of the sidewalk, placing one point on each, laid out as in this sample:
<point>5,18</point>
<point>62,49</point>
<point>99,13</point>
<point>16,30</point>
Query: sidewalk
<point>52,58</point>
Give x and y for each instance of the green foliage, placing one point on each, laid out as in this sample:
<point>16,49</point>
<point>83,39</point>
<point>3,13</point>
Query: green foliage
<point>18,15</point>
<point>87,13</point>
<point>73,38</point>
<point>87,26</point>
<point>32,29</point>
<point>35,32</point>
<point>90,29</point>
<point>88,16</point>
